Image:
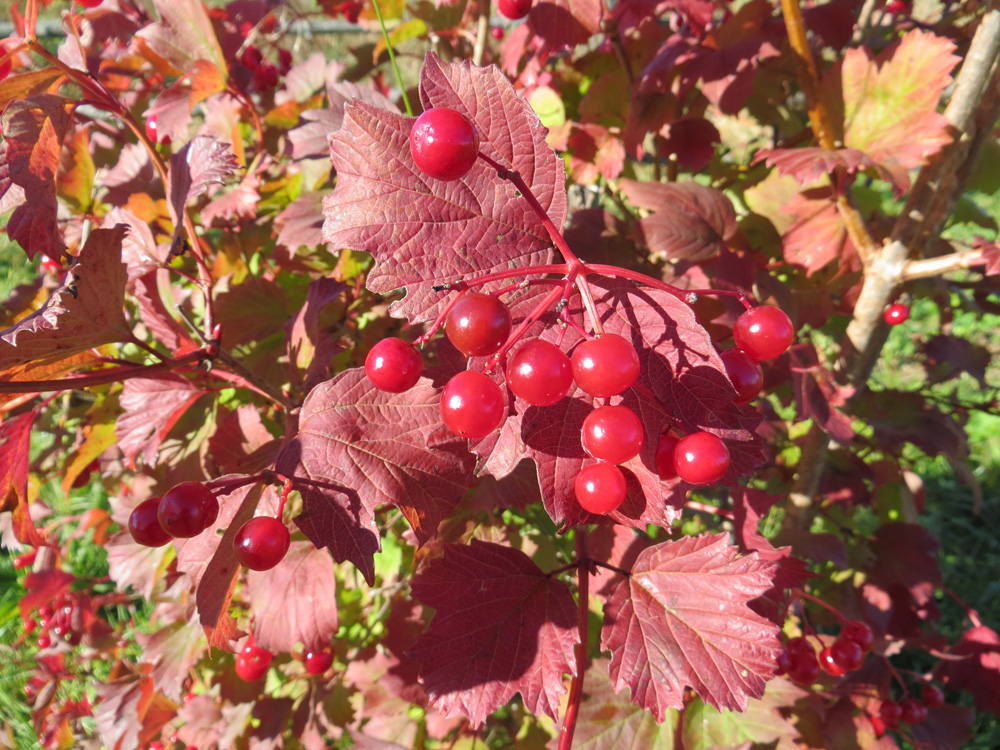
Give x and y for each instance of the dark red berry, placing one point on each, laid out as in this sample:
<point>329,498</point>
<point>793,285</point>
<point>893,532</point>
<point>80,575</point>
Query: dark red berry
<point>187,509</point>
<point>600,488</point>
<point>513,9</point>
<point>665,448</point>
<point>46,612</point>
<point>539,373</point>
<point>393,365</point>
<point>804,669</point>
<point>859,632</point>
<point>251,57</point>
<point>605,366</point>
<point>266,76</point>
<point>317,662</point>
<point>800,645</point>
<point>444,143</point>
<point>261,543</point>
<point>471,405</point>
<point>847,653</point>
<point>284,60</point>
<point>829,664</point>
<point>896,314</point>
<point>144,524</point>
<point>701,458</point>
<point>613,434</point>
<point>783,662</point>
<point>878,726</point>
<point>252,663</point>
<point>763,332</point>
<point>478,325</point>
<point>913,711</point>
<point>745,374</point>
<point>890,712</point>
<point>932,695</point>
<point>497,33</point>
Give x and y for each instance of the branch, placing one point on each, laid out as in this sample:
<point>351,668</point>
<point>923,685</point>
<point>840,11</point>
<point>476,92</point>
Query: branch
<point>583,620</point>
<point>102,377</point>
<point>929,267</point>
<point>482,31</point>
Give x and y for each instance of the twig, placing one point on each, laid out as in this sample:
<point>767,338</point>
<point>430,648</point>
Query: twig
<point>103,377</point>
<point>929,267</point>
<point>583,620</point>
<point>482,32</point>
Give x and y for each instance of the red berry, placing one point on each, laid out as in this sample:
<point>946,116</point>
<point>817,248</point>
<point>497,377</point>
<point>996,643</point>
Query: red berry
<point>745,374</point>
<point>513,9</point>
<point>932,695</point>
<point>284,59</point>
<point>829,664</point>
<point>701,458</point>
<point>600,488</point>
<point>540,373</point>
<point>613,434</point>
<point>763,332</point>
<point>847,653</point>
<point>605,366</point>
<point>394,365</point>
<point>144,524</point>
<point>783,662</point>
<point>895,6</point>
<point>471,405</point>
<point>45,612</point>
<point>30,624</point>
<point>6,65</point>
<point>804,669</point>
<point>896,314</point>
<point>152,130</point>
<point>890,712</point>
<point>877,725</point>
<point>25,560</point>
<point>88,3</point>
<point>251,57</point>
<point>44,641</point>
<point>187,509</point>
<point>497,33</point>
<point>913,711</point>
<point>665,449</point>
<point>444,143</point>
<point>252,663</point>
<point>798,645</point>
<point>317,662</point>
<point>261,543</point>
<point>478,325</point>
<point>266,76</point>
<point>859,632</point>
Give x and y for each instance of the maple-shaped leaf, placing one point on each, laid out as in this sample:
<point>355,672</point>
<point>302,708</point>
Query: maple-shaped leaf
<point>15,444</point>
<point>358,448</point>
<point>85,312</point>
<point>129,711</point>
<point>311,139</point>
<point>207,722</point>
<point>890,103</point>
<point>133,172</point>
<point>682,619</point>
<point>183,35</point>
<point>172,650</point>
<point>42,587</point>
<point>238,203</point>
<point>690,221</point>
<point>979,670</point>
<point>761,724</point>
<point>818,235</point>
<point>296,601</point>
<point>807,164</point>
<point>501,626</point>
<point>562,23</point>
<point>199,164</point>
<point>152,407</point>
<point>32,132</point>
<point>423,232</point>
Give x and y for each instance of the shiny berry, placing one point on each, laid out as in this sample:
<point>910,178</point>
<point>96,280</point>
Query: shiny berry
<point>29,626</point>
<point>44,641</point>
<point>932,695</point>
<point>144,524</point>
<point>665,448</point>
<point>804,669</point>
<point>605,366</point>
<point>187,509</point>
<point>478,325</point>
<point>261,543</point>
<point>800,645</point>
<point>252,663</point>
<point>600,488</point>
<point>890,712</point>
<point>829,664</point>
<point>859,632</point>
<point>444,143</point>
<point>513,9</point>
<point>497,33</point>
<point>763,332</point>
<point>913,712</point>
<point>613,434</point>
<point>471,405</point>
<point>152,131</point>
<point>701,458</point>
<point>393,365</point>
<point>539,373</point>
<point>88,3</point>
<point>847,653</point>
<point>896,314</point>
<point>317,662</point>
<point>745,373</point>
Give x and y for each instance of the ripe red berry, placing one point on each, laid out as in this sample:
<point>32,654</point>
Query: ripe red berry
<point>261,543</point>
<point>847,653</point>
<point>187,509</point>
<point>701,458</point>
<point>44,641</point>
<point>665,449</point>
<point>252,663</point>
<point>859,632</point>
<point>913,711</point>
<point>804,669</point>
<point>600,488</point>
<point>605,366</point>
<point>497,33</point>
<point>895,6</point>
<point>393,365</point>
<point>540,373</point>
<point>317,662</point>
<point>890,712</point>
<point>30,624</point>
<point>896,314</point>
<point>513,9</point>
<point>932,695</point>
<point>800,645</point>
<point>829,664</point>
<point>878,726</point>
<point>471,405</point>
<point>612,434</point>
<point>783,662</point>
<point>763,332</point>
<point>745,374</point>
<point>478,325</point>
<point>88,3</point>
<point>444,143</point>
<point>152,131</point>
<point>144,524</point>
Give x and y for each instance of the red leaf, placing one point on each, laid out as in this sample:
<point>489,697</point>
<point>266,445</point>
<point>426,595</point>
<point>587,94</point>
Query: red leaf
<point>129,712</point>
<point>140,253</point>
<point>173,112</point>
<point>133,172</point>
<point>682,619</point>
<point>564,23</point>
<point>200,163</point>
<point>238,203</point>
<point>311,140</point>
<point>359,448</point>
<point>691,140</point>
<point>900,417</point>
<point>816,394</point>
<point>948,727</point>
<point>43,587</point>
<point>301,223</point>
<point>251,311</point>
<point>382,201</point>
<point>807,164</point>
<point>172,651</point>
<point>183,35</point>
<point>133,565</point>
<point>949,356</point>
<point>309,346</point>
<point>691,221</point>
<point>295,601</point>
<point>818,236</point>
<point>502,626</point>
<point>152,407</point>
<point>15,444</point>
<point>594,152</point>
<point>905,554</point>
<point>241,444</point>
<point>979,672</point>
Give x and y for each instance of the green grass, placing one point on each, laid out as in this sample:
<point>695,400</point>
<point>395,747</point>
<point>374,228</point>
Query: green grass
<point>15,268</point>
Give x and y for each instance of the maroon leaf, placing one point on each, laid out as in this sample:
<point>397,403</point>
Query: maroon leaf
<point>200,163</point>
<point>173,113</point>
<point>691,222</point>
<point>311,140</point>
<point>691,141</point>
<point>382,200</point>
<point>133,172</point>
<point>154,314</point>
<point>807,164</point>
<point>310,347</point>
<point>15,444</point>
<point>140,253</point>
<point>132,565</point>
<point>949,356</point>
<point>251,311</point>
<point>682,619</point>
<point>152,407</point>
<point>904,554</point>
<point>594,152</point>
<point>296,601</point>
<point>564,23</point>
<point>979,671</point>
<point>900,417</point>
<point>948,727</point>
<point>816,394</point>
<point>238,203</point>
<point>359,448</point>
<point>502,626</point>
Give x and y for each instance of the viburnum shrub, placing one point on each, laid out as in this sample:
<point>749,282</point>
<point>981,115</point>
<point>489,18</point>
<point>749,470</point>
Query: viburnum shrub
<point>528,404</point>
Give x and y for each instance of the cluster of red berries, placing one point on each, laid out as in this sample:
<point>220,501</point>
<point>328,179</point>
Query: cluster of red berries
<point>265,73</point>
<point>909,711</point>
<point>189,508</point>
<point>845,654</point>
<point>62,619</point>
<point>252,661</point>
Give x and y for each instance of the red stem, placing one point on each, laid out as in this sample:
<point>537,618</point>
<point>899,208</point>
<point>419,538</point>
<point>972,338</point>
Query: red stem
<point>540,308</point>
<point>809,597</point>
<point>588,304</point>
<point>583,621</point>
<point>111,375</point>
<point>421,340</point>
<point>687,296</point>
<point>703,507</point>
<point>286,489</point>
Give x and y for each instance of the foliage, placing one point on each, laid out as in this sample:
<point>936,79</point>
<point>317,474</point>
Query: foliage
<point>222,222</point>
